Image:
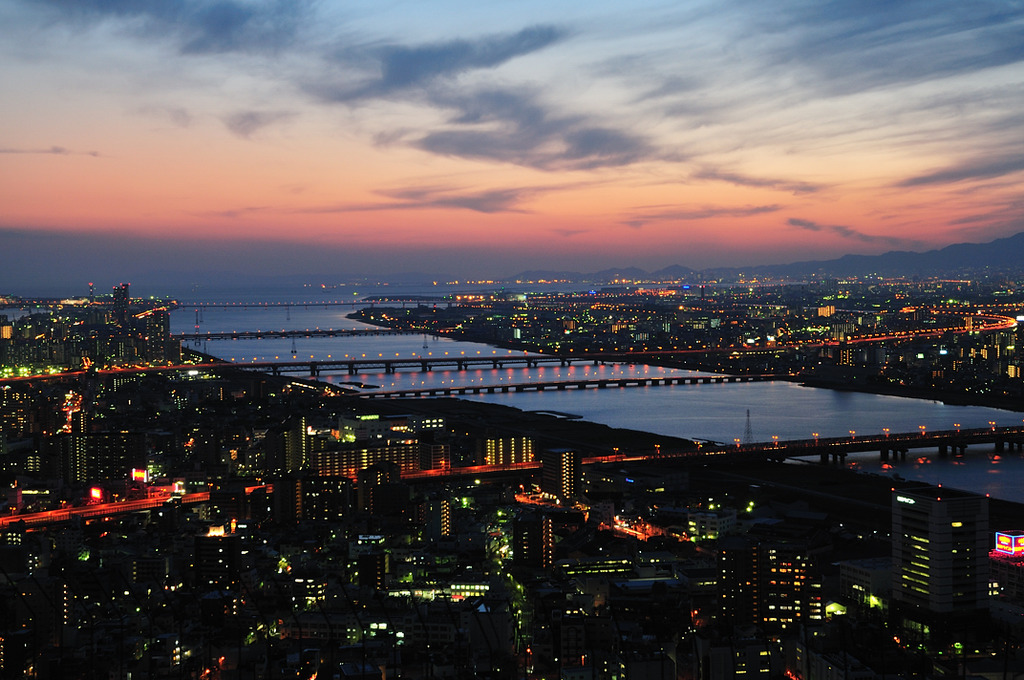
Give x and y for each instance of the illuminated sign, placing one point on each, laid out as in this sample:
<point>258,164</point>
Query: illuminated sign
<point>1010,543</point>
<point>140,475</point>
<point>905,499</point>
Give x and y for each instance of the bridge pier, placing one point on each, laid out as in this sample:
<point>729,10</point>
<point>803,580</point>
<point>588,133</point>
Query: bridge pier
<point>352,369</point>
<point>314,370</point>
<point>389,367</point>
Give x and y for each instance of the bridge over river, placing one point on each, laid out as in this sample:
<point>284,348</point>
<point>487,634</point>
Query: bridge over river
<point>284,334</point>
<point>425,364</point>
<point>891,446</point>
<point>597,383</point>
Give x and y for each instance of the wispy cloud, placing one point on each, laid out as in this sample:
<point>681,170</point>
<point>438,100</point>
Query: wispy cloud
<point>861,46</point>
<point>974,169</point>
<point>680,214</point>
<point>758,182</point>
<point>198,27</point>
<point>247,123</point>
<point>50,150</point>
<point>177,116</point>
<point>488,201</point>
<point>569,233</point>
<point>846,232</point>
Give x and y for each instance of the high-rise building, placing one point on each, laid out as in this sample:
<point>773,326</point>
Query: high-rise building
<point>771,583</point>
<point>940,543</point>
<point>561,473</point>
<point>121,300</point>
<point>218,559</point>
<point>533,540</point>
<point>437,519</point>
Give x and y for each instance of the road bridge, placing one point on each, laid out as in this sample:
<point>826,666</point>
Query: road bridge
<point>361,302</point>
<point>891,446</point>
<point>591,383</point>
<point>307,333</point>
<point>424,364</point>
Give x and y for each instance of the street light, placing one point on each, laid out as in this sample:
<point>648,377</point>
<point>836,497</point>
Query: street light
<point>737,440</point>
<point>815,435</point>
<point>957,426</point>
<point>992,424</point>
<point>775,440</point>
<point>853,434</point>
<point>921,427</point>
<point>886,431</point>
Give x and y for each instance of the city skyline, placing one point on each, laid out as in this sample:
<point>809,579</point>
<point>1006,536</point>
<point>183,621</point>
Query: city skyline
<point>454,138</point>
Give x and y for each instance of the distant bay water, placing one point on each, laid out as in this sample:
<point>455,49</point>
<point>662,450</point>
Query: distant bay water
<point>707,412</point>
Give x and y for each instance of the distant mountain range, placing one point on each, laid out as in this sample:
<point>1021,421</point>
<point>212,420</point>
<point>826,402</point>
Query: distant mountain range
<point>1000,255</point>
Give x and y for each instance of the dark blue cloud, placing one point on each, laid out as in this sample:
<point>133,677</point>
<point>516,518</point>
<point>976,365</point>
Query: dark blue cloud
<point>410,66</point>
<point>397,69</point>
<point>197,26</point>
<point>512,127</point>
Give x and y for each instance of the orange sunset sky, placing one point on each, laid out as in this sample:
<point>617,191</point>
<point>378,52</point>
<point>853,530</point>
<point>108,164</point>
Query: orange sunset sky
<point>469,139</point>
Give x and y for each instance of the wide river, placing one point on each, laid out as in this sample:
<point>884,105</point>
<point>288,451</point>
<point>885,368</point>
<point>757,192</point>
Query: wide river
<point>711,412</point>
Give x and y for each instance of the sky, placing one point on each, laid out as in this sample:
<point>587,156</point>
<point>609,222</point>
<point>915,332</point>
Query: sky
<point>144,138</point>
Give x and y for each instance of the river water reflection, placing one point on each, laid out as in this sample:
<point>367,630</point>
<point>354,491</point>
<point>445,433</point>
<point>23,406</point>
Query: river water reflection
<point>710,412</point>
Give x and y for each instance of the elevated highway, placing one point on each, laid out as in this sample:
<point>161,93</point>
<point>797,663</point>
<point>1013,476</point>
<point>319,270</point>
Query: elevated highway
<point>828,450</point>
